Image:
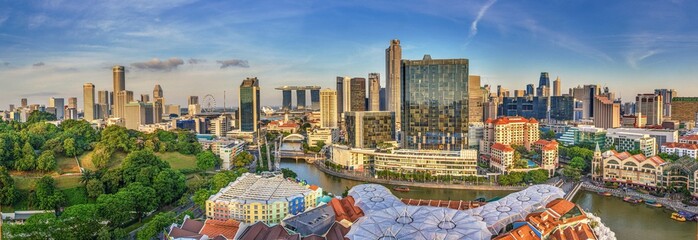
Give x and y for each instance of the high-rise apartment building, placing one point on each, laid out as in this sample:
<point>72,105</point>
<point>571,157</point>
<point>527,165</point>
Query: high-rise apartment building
<point>122,98</point>
<point>59,105</point>
<point>559,108</point>
<point>651,106</point>
<point>220,126</point>
<point>137,114</point>
<point>374,88</point>
<point>357,95</point>
<point>393,81</point>
<point>667,96</point>
<point>103,105</point>
<point>475,99</point>
<point>249,105</point>
<point>435,114</point>
<point>340,95</point>
<point>368,129</point>
<point>606,113</point>
<point>557,87</point>
<point>509,131</point>
<point>543,84</point>
<point>119,81</point>
<point>88,98</point>
<point>328,108</point>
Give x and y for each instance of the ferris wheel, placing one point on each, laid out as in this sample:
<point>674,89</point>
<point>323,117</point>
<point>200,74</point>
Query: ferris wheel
<point>209,103</point>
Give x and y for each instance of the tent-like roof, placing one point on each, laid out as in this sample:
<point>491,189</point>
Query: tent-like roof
<point>374,197</point>
<point>418,222</point>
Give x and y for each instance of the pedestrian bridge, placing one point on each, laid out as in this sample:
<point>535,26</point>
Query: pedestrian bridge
<point>294,138</point>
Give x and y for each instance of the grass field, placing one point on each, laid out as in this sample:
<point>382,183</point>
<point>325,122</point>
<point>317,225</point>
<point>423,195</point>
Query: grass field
<point>62,182</point>
<point>70,185</point>
<point>178,160</point>
<point>67,165</point>
<point>115,161</point>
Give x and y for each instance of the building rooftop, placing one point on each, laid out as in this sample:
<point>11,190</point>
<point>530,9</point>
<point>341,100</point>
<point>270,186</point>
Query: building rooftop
<point>315,221</point>
<point>251,188</point>
<point>213,229</point>
<point>689,138</point>
<point>639,158</point>
<point>502,147</point>
<point>681,145</point>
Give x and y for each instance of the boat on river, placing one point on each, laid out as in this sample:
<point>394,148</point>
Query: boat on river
<point>676,216</point>
<point>401,189</point>
<point>653,203</point>
<point>632,200</point>
<point>605,194</point>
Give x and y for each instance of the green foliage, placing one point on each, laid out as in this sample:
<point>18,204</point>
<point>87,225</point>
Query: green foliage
<point>46,161</point>
<point>578,162</point>
<point>668,157</point>
<point>94,187</point>
<point>156,225</point>
<point>200,197</point>
<point>28,160</point>
<point>288,173</point>
<point>206,160</point>
<point>101,156</point>
<point>170,185</point>
<point>143,198</point>
<point>141,166</point>
<point>223,178</point>
<point>39,116</point>
<point>115,208</point>
<point>8,193</point>
<point>513,178</point>
<point>46,195</point>
<point>548,135</point>
<point>116,138</point>
<point>572,172</point>
<point>245,158</point>
<point>69,147</point>
<point>112,180</point>
<point>536,176</point>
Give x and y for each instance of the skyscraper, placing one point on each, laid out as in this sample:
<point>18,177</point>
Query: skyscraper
<point>137,113</point>
<point>103,105</point>
<point>157,92</point>
<point>530,90</point>
<point>119,80</point>
<point>357,95</point>
<point>59,105</point>
<point>435,114</point>
<point>393,94</point>
<point>651,106</point>
<point>24,102</point>
<point>88,98</point>
<point>249,105</point>
<point>158,100</point>
<point>374,88</point>
<point>193,100</point>
<point>606,113</point>
<point>475,99</point>
<point>340,95</point>
<point>72,102</point>
<point>368,129</point>
<point>383,104</point>
<point>586,94</point>
<point>667,96</point>
<point>557,86</point>
<point>122,98</point>
<point>544,82</point>
<point>328,108</point>
<point>145,98</point>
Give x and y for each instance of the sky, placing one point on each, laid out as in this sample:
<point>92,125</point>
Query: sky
<point>189,47</point>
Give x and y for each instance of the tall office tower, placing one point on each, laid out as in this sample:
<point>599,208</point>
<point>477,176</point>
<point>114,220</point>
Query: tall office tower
<point>103,104</point>
<point>543,82</point>
<point>249,105</point>
<point>157,110</point>
<point>357,95</point>
<point>530,90</point>
<point>193,100</point>
<point>12,107</point>
<point>328,108</point>
<point>340,95</point>
<point>88,101</point>
<point>475,99</point>
<point>122,98</point>
<point>393,87</point>
<point>382,105</point>
<point>435,114</point>
<point>59,105</point>
<point>519,93</point>
<point>606,113</point>
<point>220,126</point>
<point>557,86</point>
<point>651,106</point>
<point>145,98</point>
<point>300,99</point>
<point>368,129</point>
<point>346,95</point>
<point>374,88</point>
<point>157,92</point>
<point>315,98</point>
<point>137,113</point>
<point>119,81</point>
<point>72,102</point>
<point>586,94</point>
<point>667,96</point>
<point>24,103</point>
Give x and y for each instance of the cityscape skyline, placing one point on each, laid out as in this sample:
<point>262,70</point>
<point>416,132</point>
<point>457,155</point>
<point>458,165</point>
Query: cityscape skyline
<point>47,54</point>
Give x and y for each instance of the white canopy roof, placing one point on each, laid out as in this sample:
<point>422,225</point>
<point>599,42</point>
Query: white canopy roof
<point>374,197</point>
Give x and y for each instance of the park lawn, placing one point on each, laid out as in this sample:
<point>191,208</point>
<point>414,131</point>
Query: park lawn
<point>67,165</point>
<point>114,162</point>
<point>69,185</point>
<point>178,160</point>
<point>76,195</point>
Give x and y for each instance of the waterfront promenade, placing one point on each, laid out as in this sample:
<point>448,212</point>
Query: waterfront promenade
<point>443,185</point>
<point>666,202</point>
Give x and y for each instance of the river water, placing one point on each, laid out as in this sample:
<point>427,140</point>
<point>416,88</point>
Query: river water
<point>627,221</point>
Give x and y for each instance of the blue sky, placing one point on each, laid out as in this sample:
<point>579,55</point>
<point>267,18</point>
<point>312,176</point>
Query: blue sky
<point>50,48</point>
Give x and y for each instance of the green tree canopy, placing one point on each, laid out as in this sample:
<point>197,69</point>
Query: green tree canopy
<point>156,225</point>
<point>206,160</point>
<point>8,193</point>
<point>170,185</point>
<point>46,161</point>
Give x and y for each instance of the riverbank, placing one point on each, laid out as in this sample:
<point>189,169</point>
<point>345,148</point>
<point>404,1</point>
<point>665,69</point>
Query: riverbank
<point>667,203</point>
<point>465,186</point>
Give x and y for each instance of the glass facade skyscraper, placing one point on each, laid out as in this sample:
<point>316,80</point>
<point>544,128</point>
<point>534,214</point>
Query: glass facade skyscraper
<point>435,103</point>
<point>249,105</point>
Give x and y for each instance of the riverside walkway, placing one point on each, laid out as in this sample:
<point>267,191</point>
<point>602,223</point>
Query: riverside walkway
<point>666,202</point>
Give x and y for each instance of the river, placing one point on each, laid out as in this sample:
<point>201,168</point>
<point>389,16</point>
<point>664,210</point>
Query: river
<point>626,220</point>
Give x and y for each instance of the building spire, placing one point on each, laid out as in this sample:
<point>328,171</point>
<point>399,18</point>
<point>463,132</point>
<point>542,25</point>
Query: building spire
<point>597,148</point>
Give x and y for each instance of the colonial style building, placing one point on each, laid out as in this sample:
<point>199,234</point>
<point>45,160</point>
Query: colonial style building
<point>637,170</point>
<point>681,149</point>
<point>501,157</point>
<point>549,158</point>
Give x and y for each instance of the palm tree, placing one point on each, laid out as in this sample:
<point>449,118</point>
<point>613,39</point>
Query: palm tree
<point>87,175</point>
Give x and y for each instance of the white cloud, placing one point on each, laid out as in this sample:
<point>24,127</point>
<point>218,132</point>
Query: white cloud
<point>480,14</point>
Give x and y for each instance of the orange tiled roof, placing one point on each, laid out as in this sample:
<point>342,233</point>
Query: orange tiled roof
<point>452,204</point>
<point>502,147</point>
<point>345,210</point>
<point>488,121</point>
<point>532,120</point>
<point>681,145</point>
<point>690,138</point>
<point>213,228</point>
<point>524,232</point>
<point>639,158</point>
<point>313,187</point>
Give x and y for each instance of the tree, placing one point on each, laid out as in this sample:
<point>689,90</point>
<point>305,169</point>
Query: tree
<point>28,160</point>
<point>69,147</point>
<point>200,197</point>
<point>8,193</point>
<point>170,185</point>
<point>46,161</point>
<point>101,156</point>
<point>116,208</point>
<point>223,178</point>
<point>519,162</point>
<point>156,225</point>
<point>537,176</point>
<point>94,188</point>
<point>116,138</point>
<point>572,172</point>
<point>39,116</point>
<point>548,135</point>
<point>136,161</point>
<point>112,180</point>
<point>83,221</point>
<point>206,160</point>
<point>46,195</point>
<point>143,198</point>
<point>578,163</point>
<point>288,173</point>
